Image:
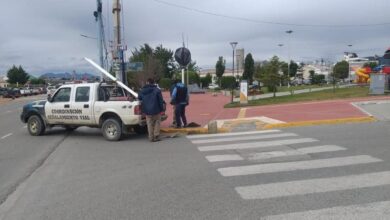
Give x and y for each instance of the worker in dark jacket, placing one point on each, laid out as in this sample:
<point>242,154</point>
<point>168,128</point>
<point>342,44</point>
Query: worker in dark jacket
<point>180,97</point>
<point>175,81</point>
<point>152,106</point>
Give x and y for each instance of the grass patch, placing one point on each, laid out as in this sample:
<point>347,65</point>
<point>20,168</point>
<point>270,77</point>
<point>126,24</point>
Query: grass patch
<point>341,93</point>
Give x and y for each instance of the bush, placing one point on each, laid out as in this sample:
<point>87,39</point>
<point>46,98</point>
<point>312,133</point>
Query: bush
<point>165,83</point>
<point>318,79</point>
<point>228,82</point>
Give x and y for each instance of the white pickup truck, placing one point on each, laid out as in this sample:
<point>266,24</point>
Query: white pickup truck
<point>91,104</point>
<point>113,108</point>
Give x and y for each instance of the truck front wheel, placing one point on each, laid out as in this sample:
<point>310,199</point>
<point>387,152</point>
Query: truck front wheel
<point>112,129</point>
<point>35,125</point>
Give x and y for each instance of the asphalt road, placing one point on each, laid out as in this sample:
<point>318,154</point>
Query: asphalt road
<point>20,153</point>
<point>319,172</point>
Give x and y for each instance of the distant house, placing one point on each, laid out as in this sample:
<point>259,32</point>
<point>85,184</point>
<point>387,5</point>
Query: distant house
<point>3,81</point>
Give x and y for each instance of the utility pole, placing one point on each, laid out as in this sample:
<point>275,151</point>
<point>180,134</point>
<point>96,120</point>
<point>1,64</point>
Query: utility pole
<point>118,47</point>
<point>100,39</point>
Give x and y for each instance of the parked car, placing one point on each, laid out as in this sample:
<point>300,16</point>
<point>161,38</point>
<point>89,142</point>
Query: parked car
<point>25,91</point>
<point>3,91</point>
<point>213,86</point>
<point>12,93</point>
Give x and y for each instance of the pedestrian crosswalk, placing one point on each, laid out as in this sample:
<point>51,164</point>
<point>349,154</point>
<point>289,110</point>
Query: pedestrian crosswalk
<point>256,153</point>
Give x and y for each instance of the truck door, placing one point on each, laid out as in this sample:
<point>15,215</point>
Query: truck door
<point>58,110</point>
<point>83,103</point>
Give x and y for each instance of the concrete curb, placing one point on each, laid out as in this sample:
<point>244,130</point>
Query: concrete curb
<point>200,130</point>
<point>322,122</point>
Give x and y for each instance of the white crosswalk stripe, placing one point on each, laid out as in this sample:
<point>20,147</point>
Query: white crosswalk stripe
<point>375,210</point>
<point>225,157</point>
<point>275,154</point>
<point>295,152</point>
<point>231,134</point>
<point>260,144</point>
<point>302,187</point>
<point>244,138</point>
<point>299,165</point>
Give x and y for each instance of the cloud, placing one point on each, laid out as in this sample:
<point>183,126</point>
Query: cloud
<point>44,36</point>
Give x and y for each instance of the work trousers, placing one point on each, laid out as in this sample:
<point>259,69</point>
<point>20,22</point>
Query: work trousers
<point>153,123</point>
<point>174,115</point>
<point>180,114</point>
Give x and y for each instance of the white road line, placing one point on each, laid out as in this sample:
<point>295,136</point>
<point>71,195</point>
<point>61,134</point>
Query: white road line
<point>5,136</point>
<point>297,165</point>
<point>260,144</point>
<point>231,134</point>
<point>243,138</point>
<point>25,126</point>
<point>300,151</point>
<point>356,105</point>
<point>375,210</point>
<point>224,157</point>
<point>303,187</point>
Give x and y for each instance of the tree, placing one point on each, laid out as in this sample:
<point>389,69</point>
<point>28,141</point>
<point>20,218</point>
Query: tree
<point>206,80</point>
<point>17,75</point>
<point>312,73</point>
<point>165,56</point>
<point>193,67</point>
<point>193,77</point>
<point>341,70</point>
<point>220,67</point>
<point>293,68</point>
<point>249,68</point>
<point>271,77</point>
<point>158,63</point>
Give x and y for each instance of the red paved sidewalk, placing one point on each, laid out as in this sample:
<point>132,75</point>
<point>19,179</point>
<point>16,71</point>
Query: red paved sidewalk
<point>203,108</point>
<point>206,107</point>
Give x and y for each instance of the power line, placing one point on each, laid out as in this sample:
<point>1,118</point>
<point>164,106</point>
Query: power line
<point>266,22</point>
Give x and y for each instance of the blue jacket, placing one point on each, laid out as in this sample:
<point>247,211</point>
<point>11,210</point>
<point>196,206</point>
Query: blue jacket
<point>175,96</point>
<point>152,100</point>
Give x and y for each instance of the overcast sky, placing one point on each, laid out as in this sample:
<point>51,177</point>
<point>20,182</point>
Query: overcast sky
<point>44,35</point>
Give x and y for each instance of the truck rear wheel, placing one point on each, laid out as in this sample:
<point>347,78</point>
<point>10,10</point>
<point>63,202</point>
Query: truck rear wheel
<point>35,125</point>
<point>112,129</point>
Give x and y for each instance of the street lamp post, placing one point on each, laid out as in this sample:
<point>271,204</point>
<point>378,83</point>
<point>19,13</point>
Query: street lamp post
<point>233,44</point>
<point>349,65</point>
<point>280,45</point>
<point>289,59</point>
